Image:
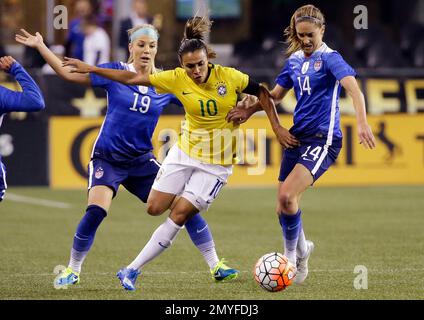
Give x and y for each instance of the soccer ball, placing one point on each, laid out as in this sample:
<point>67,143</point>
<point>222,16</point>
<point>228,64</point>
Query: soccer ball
<point>274,272</point>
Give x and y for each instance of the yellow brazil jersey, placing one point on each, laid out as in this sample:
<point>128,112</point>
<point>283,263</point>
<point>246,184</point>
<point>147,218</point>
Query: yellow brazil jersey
<point>206,135</point>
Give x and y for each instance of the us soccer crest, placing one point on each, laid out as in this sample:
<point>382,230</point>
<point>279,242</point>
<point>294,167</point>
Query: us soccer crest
<point>99,173</point>
<point>143,89</point>
<point>221,88</point>
<point>317,65</point>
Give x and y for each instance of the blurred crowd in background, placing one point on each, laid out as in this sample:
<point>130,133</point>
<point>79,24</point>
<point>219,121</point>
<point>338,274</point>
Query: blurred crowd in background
<point>247,34</point>
<point>394,37</point>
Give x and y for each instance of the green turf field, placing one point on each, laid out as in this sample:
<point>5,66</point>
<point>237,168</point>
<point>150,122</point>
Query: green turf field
<point>378,227</point>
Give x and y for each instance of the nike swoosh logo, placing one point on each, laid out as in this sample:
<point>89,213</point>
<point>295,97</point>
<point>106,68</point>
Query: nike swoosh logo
<point>308,160</point>
<point>186,93</point>
<point>165,247</point>
<point>204,228</point>
<point>128,282</point>
<point>292,228</point>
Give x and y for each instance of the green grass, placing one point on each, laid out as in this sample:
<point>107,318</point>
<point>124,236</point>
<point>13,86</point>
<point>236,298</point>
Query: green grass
<point>378,227</point>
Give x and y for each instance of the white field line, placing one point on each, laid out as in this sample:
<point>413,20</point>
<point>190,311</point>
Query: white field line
<point>36,201</point>
<point>375,271</point>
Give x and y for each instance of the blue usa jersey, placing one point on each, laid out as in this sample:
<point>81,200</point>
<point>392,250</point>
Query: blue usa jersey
<point>131,118</point>
<point>316,82</point>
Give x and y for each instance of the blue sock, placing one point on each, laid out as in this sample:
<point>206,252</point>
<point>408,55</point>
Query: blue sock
<point>84,236</point>
<point>199,232</point>
<point>291,226</point>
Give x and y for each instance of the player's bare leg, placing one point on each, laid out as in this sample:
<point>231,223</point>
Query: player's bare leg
<point>158,202</point>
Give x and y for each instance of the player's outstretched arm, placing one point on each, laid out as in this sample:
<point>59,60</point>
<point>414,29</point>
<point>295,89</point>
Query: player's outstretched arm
<point>29,100</point>
<point>36,41</point>
<point>366,137</point>
<point>122,76</point>
<point>286,139</point>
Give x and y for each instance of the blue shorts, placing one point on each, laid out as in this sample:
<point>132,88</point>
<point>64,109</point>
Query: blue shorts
<point>314,154</point>
<point>3,184</point>
<point>137,176</point>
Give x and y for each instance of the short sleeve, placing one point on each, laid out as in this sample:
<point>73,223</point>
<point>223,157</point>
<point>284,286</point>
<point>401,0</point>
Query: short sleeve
<point>338,67</point>
<point>99,81</point>
<point>239,79</point>
<point>284,80</point>
<point>164,81</point>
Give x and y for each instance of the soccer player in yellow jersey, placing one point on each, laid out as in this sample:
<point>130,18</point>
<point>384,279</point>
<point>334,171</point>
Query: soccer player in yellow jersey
<point>195,169</point>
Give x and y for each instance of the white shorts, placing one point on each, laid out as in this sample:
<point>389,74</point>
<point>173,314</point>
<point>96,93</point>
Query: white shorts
<point>197,182</point>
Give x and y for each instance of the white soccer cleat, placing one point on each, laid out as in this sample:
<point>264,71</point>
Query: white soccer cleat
<point>302,264</point>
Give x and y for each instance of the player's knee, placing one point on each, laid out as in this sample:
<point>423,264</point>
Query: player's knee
<point>287,202</point>
<point>180,217</point>
<point>154,209</point>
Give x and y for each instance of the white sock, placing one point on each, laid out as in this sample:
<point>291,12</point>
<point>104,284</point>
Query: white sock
<point>301,244</point>
<point>291,255</point>
<point>161,239</point>
<point>209,253</point>
<point>76,260</point>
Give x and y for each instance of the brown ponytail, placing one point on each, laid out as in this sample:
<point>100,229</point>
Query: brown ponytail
<point>195,32</point>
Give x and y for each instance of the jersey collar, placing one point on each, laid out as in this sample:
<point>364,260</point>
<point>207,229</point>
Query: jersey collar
<point>322,48</point>
<point>319,51</point>
<point>132,69</point>
<point>211,68</point>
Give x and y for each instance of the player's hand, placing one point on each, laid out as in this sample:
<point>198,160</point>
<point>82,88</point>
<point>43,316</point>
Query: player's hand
<point>366,137</point>
<point>28,39</point>
<point>285,138</point>
<point>243,111</point>
<point>77,66</point>
<point>238,115</point>
<point>6,63</point>
<point>248,101</point>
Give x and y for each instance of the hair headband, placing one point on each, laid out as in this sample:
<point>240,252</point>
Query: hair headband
<point>313,19</point>
<point>144,32</point>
